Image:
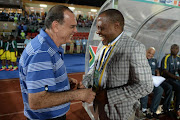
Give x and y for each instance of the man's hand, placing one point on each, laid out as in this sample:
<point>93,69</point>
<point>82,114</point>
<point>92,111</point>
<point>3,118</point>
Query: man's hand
<point>80,85</point>
<point>73,83</point>
<point>86,95</point>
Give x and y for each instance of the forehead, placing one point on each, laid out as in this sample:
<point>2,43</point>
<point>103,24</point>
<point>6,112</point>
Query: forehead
<point>69,17</point>
<point>151,51</point>
<point>102,20</point>
<point>174,47</point>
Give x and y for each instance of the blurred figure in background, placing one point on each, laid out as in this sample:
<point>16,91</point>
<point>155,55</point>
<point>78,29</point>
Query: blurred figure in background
<point>13,53</point>
<point>78,45</point>
<point>157,91</point>
<point>170,66</point>
<point>84,43</point>
<point>2,52</point>
<point>27,40</point>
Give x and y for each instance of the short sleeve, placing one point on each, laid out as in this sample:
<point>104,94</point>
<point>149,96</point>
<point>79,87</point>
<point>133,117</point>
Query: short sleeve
<point>40,72</point>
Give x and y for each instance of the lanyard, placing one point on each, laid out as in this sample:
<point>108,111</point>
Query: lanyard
<point>103,67</point>
<point>103,57</point>
<point>102,62</point>
<point>174,61</point>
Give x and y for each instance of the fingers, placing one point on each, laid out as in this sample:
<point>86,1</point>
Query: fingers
<point>90,96</point>
<point>73,83</point>
<point>72,80</point>
<point>80,85</point>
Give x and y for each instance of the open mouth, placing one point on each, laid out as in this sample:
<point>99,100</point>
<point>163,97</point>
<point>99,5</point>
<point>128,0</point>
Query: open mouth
<point>102,37</point>
<point>71,36</point>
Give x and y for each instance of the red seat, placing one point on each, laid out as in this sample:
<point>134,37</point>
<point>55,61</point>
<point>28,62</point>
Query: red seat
<point>29,34</point>
<point>34,35</point>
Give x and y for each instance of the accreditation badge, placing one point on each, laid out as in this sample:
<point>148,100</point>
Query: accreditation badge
<point>153,63</point>
<point>96,80</point>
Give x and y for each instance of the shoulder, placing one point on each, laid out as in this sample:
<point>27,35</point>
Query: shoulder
<point>154,59</point>
<point>36,46</point>
<point>167,56</point>
<point>129,41</point>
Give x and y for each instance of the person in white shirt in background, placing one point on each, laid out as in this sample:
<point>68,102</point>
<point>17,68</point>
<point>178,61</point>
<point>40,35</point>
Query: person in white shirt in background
<point>84,42</point>
<point>27,40</point>
<point>64,47</point>
<point>78,45</point>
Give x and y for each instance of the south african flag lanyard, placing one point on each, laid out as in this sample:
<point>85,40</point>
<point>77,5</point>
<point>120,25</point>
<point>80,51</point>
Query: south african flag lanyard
<point>101,64</point>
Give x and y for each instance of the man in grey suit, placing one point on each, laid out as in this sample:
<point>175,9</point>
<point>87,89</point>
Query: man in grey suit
<point>121,74</point>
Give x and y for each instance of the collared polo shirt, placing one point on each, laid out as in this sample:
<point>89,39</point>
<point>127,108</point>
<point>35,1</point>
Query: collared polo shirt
<point>153,64</point>
<point>171,64</point>
<point>41,64</point>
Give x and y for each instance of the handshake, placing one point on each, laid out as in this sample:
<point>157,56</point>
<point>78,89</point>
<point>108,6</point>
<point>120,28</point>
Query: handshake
<point>81,92</point>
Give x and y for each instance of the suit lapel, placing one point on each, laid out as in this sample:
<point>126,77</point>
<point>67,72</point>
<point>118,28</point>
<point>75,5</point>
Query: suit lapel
<point>117,46</point>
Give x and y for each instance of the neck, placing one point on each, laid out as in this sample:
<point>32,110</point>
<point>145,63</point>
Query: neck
<point>174,56</point>
<point>53,37</point>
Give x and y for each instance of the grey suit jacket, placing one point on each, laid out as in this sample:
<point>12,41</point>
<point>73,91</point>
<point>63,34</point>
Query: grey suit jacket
<point>128,77</point>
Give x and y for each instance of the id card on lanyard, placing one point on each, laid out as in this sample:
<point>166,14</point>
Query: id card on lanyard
<point>175,66</point>
<point>100,66</point>
<point>102,62</point>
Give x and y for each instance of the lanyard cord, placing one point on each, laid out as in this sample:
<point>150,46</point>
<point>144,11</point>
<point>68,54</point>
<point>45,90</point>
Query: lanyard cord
<point>174,63</point>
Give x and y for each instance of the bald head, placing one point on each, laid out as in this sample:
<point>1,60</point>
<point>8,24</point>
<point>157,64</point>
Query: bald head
<point>150,52</point>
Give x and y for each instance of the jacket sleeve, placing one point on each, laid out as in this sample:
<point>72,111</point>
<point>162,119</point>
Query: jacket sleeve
<point>88,79</point>
<point>140,81</point>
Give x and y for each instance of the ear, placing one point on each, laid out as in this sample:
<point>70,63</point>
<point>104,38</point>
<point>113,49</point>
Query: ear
<point>117,25</point>
<point>54,26</point>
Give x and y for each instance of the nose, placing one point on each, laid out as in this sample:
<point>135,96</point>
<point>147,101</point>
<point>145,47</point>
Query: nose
<point>75,30</point>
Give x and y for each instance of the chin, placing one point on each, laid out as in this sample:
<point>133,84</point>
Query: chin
<point>68,40</point>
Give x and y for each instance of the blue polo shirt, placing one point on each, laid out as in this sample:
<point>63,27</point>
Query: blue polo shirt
<point>171,64</point>
<point>153,64</point>
<point>41,64</point>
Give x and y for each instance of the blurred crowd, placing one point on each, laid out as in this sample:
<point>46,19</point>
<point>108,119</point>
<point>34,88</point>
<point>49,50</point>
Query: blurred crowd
<point>28,26</point>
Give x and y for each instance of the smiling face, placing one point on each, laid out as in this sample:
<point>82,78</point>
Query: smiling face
<point>150,53</point>
<point>106,29</point>
<point>174,50</point>
<point>66,30</point>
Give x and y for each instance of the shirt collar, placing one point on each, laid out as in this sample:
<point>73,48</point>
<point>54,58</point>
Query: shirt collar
<point>51,43</point>
<point>115,40</point>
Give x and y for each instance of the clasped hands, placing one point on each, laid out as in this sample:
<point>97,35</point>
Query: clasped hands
<point>87,94</point>
<point>80,92</point>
